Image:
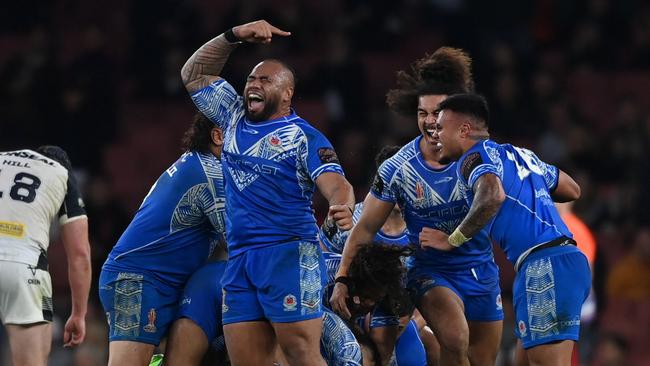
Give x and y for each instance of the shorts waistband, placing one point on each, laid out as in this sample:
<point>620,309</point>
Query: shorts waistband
<point>561,241</point>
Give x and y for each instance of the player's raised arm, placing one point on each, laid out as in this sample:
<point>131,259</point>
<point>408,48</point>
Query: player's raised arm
<point>205,65</point>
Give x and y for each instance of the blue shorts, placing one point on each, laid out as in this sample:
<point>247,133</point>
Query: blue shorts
<point>138,307</point>
<point>338,346</point>
<point>544,312</point>
<point>409,349</point>
<point>477,287</point>
<point>282,283</point>
<point>201,301</point>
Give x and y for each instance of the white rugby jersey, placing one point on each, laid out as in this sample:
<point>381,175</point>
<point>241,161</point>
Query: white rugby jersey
<point>34,189</point>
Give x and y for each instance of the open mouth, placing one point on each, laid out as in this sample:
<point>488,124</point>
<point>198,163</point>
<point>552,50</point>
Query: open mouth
<point>255,102</point>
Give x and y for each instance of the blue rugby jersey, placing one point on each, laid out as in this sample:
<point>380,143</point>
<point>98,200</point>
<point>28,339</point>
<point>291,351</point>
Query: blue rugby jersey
<point>179,223</point>
<point>432,198</point>
<point>528,216</point>
<point>269,168</point>
<point>336,241</point>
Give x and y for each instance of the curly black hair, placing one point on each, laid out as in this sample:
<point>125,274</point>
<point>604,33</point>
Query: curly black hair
<point>197,136</point>
<point>378,269</point>
<point>447,71</point>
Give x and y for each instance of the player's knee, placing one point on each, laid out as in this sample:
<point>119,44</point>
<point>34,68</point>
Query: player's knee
<point>300,346</point>
<point>455,341</point>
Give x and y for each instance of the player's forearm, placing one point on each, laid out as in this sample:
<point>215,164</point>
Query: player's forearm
<point>79,277</point>
<point>567,189</point>
<point>206,63</point>
<point>341,193</point>
<point>359,236</point>
<point>488,198</point>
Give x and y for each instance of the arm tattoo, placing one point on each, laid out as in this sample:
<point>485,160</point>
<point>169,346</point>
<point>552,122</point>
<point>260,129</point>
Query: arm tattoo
<point>206,63</point>
<point>487,201</point>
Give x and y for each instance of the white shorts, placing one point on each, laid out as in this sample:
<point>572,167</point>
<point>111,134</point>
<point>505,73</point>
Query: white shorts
<point>25,294</point>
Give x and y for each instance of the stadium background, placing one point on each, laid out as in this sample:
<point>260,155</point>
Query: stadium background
<point>568,79</point>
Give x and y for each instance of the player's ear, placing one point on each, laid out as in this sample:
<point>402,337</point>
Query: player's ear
<point>288,94</point>
<point>216,135</point>
<point>465,128</point>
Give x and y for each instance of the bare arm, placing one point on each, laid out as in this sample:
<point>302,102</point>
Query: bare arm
<point>74,235</point>
<point>488,197</point>
<point>340,195</point>
<point>205,65</point>
<point>385,339</point>
<point>375,212</point>
<point>567,189</point>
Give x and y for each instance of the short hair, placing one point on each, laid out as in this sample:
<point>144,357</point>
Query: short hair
<point>447,71</point>
<point>55,153</point>
<point>198,136</point>
<point>292,71</point>
<point>379,266</point>
<point>474,105</point>
<point>385,153</point>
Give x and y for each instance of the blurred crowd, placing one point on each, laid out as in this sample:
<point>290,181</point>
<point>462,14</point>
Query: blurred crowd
<point>567,79</point>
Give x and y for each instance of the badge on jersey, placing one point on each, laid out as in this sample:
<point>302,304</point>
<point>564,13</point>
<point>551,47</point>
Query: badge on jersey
<point>14,229</point>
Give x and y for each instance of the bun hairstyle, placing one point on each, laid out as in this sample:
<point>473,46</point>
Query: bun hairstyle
<point>446,71</point>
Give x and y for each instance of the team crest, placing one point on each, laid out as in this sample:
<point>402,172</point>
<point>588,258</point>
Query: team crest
<point>289,303</point>
<point>151,326</point>
<point>419,191</point>
<point>522,328</point>
<point>274,140</point>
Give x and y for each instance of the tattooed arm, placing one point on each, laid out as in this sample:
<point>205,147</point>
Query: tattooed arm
<point>488,197</point>
<point>206,63</point>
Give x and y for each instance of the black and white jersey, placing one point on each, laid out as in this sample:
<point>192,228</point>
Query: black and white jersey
<point>34,190</point>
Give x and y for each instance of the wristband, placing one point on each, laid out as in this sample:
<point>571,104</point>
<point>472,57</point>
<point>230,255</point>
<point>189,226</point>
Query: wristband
<point>231,37</point>
<point>347,281</point>
<point>457,238</point>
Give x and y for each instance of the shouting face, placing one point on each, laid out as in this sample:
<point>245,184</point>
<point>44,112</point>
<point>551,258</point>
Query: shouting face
<point>268,91</point>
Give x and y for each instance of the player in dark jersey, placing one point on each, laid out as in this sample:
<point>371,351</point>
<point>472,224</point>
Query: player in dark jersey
<point>456,292</point>
<point>273,161</point>
<point>511,193</point>
<point>178,225</point>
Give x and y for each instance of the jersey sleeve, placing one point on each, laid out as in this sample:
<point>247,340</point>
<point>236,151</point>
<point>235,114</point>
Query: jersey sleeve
<point>551,175</point>
<point>219,102</point>
<point>383,185</point>
<point>73,205</point>
<point>318,155</point>
<point>478,162</point>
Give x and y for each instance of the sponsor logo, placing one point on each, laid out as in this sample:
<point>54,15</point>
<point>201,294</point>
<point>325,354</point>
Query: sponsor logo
<point>186,300</point>
<point>33,281</point>
<point>151,326</point>
<point>443,180</point>
<point>289,303</point>
<point>522,328</point>
<point>14,229</point>
<point>499,302</point>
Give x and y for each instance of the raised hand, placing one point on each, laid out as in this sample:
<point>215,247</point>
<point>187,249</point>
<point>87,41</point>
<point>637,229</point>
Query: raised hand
<point>433,238</point>
<point>259,31</point>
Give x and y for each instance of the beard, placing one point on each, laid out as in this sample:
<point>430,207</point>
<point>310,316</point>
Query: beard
<point>270,107</point>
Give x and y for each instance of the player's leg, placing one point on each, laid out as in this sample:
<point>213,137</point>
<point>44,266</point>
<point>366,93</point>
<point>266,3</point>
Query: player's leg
<point>484,314</point>
<point>338,344</point>
<point>291,297</point>
<point>409,349</point>
<point>26,311</point>
<point>181,352</point>
<point>250,343</point>
<point>484,342</point>
<point>199,317</point>
<point>431,345</point>
<point>140,310</point>
<point>444,312</point>
<point>30,344</point>
<point>548,316</point>
<point>249,336</point>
